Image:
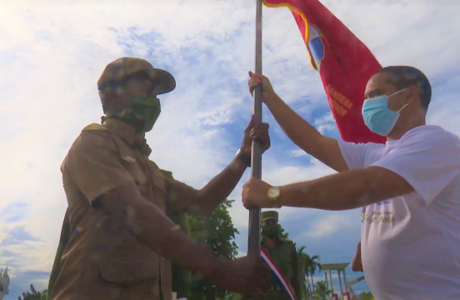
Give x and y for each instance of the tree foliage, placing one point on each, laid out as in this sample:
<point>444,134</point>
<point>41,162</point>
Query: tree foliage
<point>306,287</point>
<point>309,264</point>
<point>33,294</point>
<point>366,296</point>
<point>284,234</point>
<point>312,264</point>
<point>218,232</point>
<point>321,291</point>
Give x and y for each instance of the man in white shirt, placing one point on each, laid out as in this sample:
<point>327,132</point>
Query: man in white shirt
<point>409,189</point>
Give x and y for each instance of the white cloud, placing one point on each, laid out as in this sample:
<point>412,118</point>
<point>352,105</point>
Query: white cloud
<point>329,225</point>
<point>51,54</point>
<point>298,153</point>
<point>325,123</point>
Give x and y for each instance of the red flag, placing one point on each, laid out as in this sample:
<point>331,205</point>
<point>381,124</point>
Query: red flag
<point>344,63</point>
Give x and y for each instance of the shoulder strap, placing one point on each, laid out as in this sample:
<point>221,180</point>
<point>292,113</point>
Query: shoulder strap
<point>94,127</point>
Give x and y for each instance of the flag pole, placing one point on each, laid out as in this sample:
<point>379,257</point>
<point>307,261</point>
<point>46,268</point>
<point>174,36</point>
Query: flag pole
<point>256,156</point>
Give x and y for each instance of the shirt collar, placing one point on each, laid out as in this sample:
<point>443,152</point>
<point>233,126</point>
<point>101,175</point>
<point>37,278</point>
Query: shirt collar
<point>125,131</point>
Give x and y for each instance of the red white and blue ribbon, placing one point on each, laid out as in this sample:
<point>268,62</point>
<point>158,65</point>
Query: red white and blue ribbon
<point>276,272</point>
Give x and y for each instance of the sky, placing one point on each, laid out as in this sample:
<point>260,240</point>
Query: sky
<point>52,53</point>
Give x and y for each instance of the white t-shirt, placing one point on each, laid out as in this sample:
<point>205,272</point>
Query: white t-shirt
<point>411,244</point>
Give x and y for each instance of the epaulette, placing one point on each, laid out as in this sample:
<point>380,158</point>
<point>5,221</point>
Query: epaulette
<point>94,127</point>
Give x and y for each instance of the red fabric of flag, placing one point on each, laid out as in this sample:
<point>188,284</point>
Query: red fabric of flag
<point>343,61</point>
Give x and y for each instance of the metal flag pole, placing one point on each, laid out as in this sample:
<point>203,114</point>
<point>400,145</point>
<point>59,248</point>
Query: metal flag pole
<point>256,156</point>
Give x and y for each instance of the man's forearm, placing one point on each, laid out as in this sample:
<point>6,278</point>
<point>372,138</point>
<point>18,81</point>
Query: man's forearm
<point>218,189</point>
<point>342,191</point>
<point>170,242</point>
<point>125,206</point>
<point>183,198</point>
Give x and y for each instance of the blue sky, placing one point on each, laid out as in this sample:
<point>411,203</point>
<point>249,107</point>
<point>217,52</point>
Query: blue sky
<point>52,53</point>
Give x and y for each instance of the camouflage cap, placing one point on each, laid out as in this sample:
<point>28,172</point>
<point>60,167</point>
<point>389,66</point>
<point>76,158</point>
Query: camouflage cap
<point>267,215</point>
<point>126,66</point>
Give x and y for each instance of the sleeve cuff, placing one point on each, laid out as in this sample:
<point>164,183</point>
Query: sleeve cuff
<point>423,193</point>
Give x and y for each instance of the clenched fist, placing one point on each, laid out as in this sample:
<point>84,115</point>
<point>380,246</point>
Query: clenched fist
<point>247,275</point>
<point>260,80</point>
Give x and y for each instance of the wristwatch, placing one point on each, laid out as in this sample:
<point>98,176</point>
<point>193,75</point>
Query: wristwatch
<point>244,157</point>
<point>273,195</point>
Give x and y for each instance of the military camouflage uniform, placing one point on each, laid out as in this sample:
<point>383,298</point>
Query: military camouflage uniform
<point>98,259</point>
<point>181,278</point>
<point>284,254</point>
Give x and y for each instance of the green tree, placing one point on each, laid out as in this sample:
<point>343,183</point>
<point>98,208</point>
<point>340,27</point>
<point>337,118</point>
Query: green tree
<point>44,295</point>
<point>312,264</point>
<point>309,264</point>
<point>33,294</point>
<point>366,296</point>
<point>218,232</point>
<point>306,287</point>
<point>321,291</point>
<point>283,234</point>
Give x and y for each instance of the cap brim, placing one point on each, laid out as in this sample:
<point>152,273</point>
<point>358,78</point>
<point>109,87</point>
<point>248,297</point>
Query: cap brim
<point>164,81</point>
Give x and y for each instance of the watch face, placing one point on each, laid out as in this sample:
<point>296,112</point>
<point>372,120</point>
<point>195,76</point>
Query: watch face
<point>274,193</point>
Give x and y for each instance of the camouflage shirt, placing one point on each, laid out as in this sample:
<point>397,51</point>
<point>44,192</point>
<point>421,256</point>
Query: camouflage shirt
<point>284,254</point>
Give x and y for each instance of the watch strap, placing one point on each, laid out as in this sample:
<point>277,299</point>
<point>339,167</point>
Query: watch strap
<point>244,157</point>
<point>275,200</point>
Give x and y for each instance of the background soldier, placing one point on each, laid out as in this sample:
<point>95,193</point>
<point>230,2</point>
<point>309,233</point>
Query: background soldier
<point>283,252</point>
<point>121,242</point>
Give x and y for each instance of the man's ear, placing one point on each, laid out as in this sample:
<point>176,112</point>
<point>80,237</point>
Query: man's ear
<point>413,93</point>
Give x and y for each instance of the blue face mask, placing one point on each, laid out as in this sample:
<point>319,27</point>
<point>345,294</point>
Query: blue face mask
<point>378,117</point>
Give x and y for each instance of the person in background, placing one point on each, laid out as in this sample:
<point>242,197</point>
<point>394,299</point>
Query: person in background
<point>357,264</point>
<point>283,252</point>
